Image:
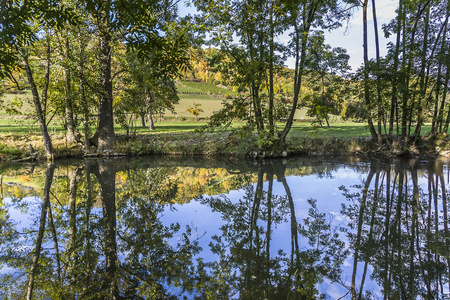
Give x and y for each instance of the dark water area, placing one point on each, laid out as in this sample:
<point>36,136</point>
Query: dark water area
<point>155,228</point>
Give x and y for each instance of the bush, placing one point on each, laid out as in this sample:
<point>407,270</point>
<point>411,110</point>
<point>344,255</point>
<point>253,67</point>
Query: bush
<point>9,153</point>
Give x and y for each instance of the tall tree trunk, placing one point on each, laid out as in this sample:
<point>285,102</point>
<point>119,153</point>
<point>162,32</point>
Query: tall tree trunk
<point>72,254</point>
<point>148,104</point>
<point>367,101</point>
<point>253,75</point>
<point>397,226</point>
<point>299,66</point>
<point>72,132</point>
<point>378,80</point>
<point>357,244</point>
<point>438,110</point>
<point>446,223</point>
<point>87,144</point>
<point>40,237</point>
<point>423,83</point>
<point>71,135</point>
<point>444,98</point>
<point>387,227</point>
<point>253,236</point>
<point>256,99</point>
<point>106,135</point>
<point>51,224</point>
<point>447,76</point>
<point>414,225</point>
<point>406,87</point>
<point>83,96</point>
<point>271,67</point>
<point>301,40</point>
<point>269,228</point>
<point>151,122</point>
<point>88,256</point>
<point>40,105</point>
<point>370,238</point>
<point>395,73</point>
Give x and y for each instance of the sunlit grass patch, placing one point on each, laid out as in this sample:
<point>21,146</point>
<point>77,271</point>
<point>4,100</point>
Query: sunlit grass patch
<point>208,104</point>
<point>196,87</point>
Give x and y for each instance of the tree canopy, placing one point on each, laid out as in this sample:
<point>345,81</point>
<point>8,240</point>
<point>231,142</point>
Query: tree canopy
<point>128,54</point>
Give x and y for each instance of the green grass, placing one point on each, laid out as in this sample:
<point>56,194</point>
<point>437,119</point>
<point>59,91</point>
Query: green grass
<point>299,129</point>
<point>9,152</point>
<point>208,104</point>
<point>27,126</point>
<point>339,130</point>
<point>166,127</point>
<point>347,129</point>
<point>182,121</point>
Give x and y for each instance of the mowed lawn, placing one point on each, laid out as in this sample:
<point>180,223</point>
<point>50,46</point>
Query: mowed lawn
<point>183,121</point>
<point>209,105</point>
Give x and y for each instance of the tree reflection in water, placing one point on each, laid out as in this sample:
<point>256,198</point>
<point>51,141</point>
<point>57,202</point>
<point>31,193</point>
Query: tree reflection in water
<point>247,266</point>
<point>96,232</point>
<point>401,231</point>
<point>116,252</point>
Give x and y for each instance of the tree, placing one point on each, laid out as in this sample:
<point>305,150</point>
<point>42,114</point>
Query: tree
<point>22,25</point>
<point>414,80</point>
<point>367,100</point>
<point>147,86</point>
<point>303,16</point>
<point>66,46</point>
<point>327,68</point>
<point>140,26</point>
<point>244,249</point>
<point>243,32</point>
<point>146,27</point>
<point>390,234</point>
<point>40,100</point>
<point>195,110</point>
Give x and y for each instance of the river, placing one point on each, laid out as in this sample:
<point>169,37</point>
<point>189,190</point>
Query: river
<point>174,228</point>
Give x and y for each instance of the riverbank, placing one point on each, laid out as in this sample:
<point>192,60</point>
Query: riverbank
<point>15,147</point>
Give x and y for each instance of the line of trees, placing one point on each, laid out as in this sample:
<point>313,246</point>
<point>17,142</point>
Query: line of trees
<point>77,55</point>
<point>80,57</point>
<point>398,92</point>
<point>410,85</point>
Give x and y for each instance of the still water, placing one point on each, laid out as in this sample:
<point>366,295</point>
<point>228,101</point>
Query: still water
<point>155,228</point>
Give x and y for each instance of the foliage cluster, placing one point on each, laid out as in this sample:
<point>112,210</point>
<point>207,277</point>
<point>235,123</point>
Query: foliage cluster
<point>92,62</point>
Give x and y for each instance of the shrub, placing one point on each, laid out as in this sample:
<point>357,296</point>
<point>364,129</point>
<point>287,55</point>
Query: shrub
<point>9,153</point>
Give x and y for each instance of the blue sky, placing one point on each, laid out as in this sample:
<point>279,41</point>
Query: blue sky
<point>350,36</point>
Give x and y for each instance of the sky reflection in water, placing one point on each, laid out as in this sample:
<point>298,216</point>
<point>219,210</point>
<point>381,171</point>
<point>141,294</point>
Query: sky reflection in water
<point>305,227</point>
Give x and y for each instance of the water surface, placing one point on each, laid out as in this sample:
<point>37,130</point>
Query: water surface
<point>154,228</point>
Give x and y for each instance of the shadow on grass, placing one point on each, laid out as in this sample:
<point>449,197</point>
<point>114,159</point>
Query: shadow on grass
<point>335,130</point>
<point>165,127</point>
<point>342,130</point>
<point>4,129</point>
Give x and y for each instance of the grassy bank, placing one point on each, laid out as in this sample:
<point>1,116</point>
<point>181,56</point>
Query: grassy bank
<point>180,138</point>
<point>175,134</point>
